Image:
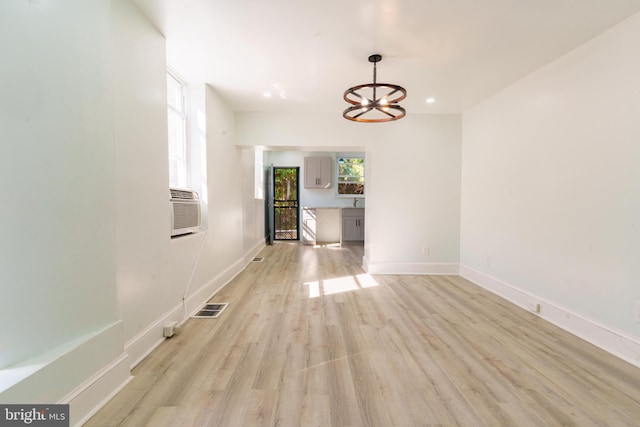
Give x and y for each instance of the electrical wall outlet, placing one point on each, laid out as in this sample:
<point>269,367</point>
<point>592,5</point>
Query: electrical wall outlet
<point>425,250</point>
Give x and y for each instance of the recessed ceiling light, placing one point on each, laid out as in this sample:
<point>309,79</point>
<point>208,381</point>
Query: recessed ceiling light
<point>430,100</point>
<point>267,94</point>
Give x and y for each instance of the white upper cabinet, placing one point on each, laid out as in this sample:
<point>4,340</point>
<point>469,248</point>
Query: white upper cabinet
<point>318,172</point>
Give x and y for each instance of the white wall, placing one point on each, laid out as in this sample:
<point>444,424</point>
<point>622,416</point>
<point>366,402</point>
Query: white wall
<point>413,180</point>
<point>254,209</point>
<point>413,199</point>
<point>230,199</point>
<point>550,194</point>
<point>58,250</point>
<point>144,282</point>
<point>88,270</point>
<point>156,272</point>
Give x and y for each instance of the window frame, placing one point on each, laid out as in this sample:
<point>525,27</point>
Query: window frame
<point>337,174</point>
<point>180,113</point>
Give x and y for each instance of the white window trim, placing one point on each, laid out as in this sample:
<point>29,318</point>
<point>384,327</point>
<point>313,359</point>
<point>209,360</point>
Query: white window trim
<point>184,114</point>
<point>258,174</point>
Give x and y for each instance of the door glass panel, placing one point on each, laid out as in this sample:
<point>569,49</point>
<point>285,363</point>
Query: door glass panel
<point>285,203</point>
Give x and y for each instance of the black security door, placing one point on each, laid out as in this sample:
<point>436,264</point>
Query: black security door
<point>285,203</point>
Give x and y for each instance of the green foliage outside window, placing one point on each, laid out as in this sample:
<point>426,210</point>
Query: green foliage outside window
<point>286,183</point>
<point>350,175</point>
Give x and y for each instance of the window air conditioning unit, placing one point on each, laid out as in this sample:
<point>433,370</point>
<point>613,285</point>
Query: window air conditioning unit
<point>185,212</point>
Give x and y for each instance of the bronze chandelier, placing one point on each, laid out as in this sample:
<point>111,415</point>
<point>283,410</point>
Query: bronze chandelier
<point>374,102</point>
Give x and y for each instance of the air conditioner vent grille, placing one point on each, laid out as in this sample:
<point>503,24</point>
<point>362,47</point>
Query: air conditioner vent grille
<point>185,212</point>
<point>186,215</point>
<point>183,194</point>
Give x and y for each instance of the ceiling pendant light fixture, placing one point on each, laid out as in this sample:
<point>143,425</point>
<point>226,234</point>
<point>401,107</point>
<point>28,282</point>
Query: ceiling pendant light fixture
<point>374,102</point>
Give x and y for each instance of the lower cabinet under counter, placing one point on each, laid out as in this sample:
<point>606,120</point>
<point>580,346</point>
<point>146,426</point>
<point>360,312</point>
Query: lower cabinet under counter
<point>321,225</point>
<point>353,224</point>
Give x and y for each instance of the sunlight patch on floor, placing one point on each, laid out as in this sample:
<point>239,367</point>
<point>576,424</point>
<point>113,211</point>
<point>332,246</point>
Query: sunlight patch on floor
<point>340,284</point>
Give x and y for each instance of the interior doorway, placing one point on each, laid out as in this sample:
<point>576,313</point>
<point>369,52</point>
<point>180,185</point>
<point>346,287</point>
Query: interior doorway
<point>286,194</point>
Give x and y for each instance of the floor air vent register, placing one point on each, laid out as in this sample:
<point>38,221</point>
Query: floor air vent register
<point>210,310</point>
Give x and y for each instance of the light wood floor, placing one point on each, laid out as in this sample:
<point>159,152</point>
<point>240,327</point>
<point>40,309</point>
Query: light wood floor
<point>309,340</point>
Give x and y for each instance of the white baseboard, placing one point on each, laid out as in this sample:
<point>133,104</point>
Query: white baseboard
<point>139,347</point>
<point>410,268</point>
<point>149,339</point>
<point>87,399</point>
<point>615,342</point>
<point>145,342</point>
<point>209,289</point>
<point>80,372</point>
<point>254,251</point>
<point>100,367</point>
<point>206,292</point>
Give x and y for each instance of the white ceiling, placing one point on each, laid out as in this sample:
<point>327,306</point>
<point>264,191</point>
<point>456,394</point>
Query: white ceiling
<point>306,53</point>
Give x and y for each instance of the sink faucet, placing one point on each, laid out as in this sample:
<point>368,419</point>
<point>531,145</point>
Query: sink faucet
<point>355,202</point>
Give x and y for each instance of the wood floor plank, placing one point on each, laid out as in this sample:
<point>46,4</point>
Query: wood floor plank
<point>309,339</point>
<point>260,408</point>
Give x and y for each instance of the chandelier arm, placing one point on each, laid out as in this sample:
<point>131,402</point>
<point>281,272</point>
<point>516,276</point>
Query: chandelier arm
<point>399,91</point>
<point>385,112</point>
<point>353,92</point>
<point>392,92</point>
<point>362,98</point>
<point>361,118</point>
<point>363,112</point>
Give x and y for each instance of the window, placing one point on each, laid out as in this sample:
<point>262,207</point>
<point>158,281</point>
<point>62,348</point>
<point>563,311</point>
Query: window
<point>350,175</point>
<point>177,118</point>
<point>259,173</point>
